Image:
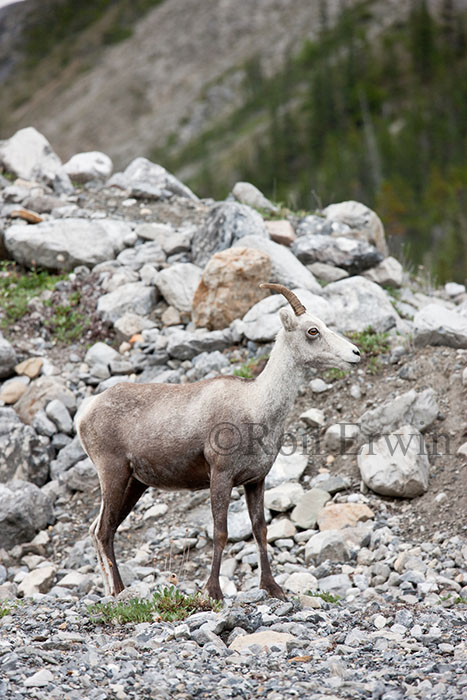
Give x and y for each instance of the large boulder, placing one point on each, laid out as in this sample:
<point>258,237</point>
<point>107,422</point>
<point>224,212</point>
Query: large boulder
<point>29,155</point>
<point>24,509</point>
<point>358,303</point>
<point>92,165</point>
<point>412,408</point>
<point>286,269</point>
<point>229,286</point>
<point>134,297</point>
<point>436,325</point>
<point>396,465</point>
<point>178,283</point>
<point>145,179</point>
<point>360,222</point>
<point>226,223</point>
<point>350,254</point>
<point>62,244</point>
<point>24,454</point>
<point>8,358</point>
<point>389,273</point>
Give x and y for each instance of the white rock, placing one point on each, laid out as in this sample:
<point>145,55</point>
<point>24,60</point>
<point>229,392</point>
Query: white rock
<point>306,511</point>
<point>396,464</point>
<point>92,165</point>
<point>58,413</point>
<point>301,582</point>
<point>462,450</point>
<point>279,529</point>
<point>340,435</point>
<point>38,581</point>
<point>330,544</point>
<point>39,679</point>
<point>284,497</point>
<point>62,244</point>
<point>29,155</point>
<point>156,511</point>
<point>389,272</point>
<point>101,353</point>
<point>246,193</point>
<point>436,325</point>
<point>261,640</point>
<point>178,283</point>
<point>358,303</point>
<point>453,289</point>
<point>412,408</point>
<point>313,417</point>
<point>286,468</point>
<point>134,297</point>
<point>318,386</point>
<point>146,179</point>
<point>362,221</point>
<point>75,579</point>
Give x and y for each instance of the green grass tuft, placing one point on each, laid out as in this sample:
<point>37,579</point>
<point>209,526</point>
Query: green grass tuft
<point>168,604</point>
<point>334,374</point>
<point>17,288</point>
<point>327,597</point>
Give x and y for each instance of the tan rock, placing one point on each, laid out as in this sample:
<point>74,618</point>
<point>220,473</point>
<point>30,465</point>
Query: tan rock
<point>13,391</point>
<point>30,367</point>
<point>281,231</point>
<point>336,516</point>
<point>229,286</point>
<point>310,601</point>
<point>37,581</point>
<point>171,316</point>
<point>39,393</point>
<point>265,639</point>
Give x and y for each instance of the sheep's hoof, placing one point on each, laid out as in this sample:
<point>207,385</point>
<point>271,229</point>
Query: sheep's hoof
<point>214,590</point>
<point>273,589</point>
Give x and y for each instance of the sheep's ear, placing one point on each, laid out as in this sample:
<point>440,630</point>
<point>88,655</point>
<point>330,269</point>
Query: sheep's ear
<point>289,321</point>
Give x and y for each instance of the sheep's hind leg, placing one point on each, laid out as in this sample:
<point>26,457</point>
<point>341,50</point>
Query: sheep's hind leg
<point>254,494</point>
<point>120,492</point>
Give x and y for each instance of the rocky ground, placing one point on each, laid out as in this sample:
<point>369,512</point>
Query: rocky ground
<point>372,553</point>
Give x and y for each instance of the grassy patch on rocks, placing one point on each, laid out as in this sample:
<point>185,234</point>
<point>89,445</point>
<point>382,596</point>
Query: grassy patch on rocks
<point>18,287</point>
<point>372,344</point>
<point>166,605</point>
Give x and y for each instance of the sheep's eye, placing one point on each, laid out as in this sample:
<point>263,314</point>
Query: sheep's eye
<point>313,332</point>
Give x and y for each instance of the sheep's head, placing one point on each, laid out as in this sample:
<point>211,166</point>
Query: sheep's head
<point>310,341</point>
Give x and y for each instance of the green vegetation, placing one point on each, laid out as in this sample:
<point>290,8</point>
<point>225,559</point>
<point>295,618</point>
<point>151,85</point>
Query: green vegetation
<point>6,607</point>
<point>67,324</point>
<point>453,600</point>
<point>249,369</point>
<point>18,287</point>
<point>371,344</point>
<point>334,374</point>
<point>167,604</point>
<point>327,597</point>
<point>380,120</point>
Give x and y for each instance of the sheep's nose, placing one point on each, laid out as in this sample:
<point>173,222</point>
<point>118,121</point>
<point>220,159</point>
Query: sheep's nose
<point>356,352</point>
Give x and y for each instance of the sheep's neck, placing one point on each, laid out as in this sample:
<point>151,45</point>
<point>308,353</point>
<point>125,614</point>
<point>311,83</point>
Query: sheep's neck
<point>278,384</point>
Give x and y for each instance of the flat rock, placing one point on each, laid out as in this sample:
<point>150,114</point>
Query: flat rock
<point>178,283</point>
<point>305,513</point>
<point>396,464</point>
<point>39,679</point>
<point>436,325</point>
<point>389,273</point>
<point>336,516</point>
<point>283,497</point>
<point>262,640</point>
<point>229,286</point>
<point>134,297</point>
<point>314,417</point>
<point>280,528</point>
<point>12,390</point>
<point>30,368</point>
<point>286,269</point>
<point>287,467</point>
<point>336,584</point>
<point>226,223</point>
<point>63,244</point>
<point>352,255</point>
<point>301,582</point>
<point>281,231</point>
<point>326,272</point>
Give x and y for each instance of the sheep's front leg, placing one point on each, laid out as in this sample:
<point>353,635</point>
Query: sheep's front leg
<point>221,488</point>
<point>254,494</point>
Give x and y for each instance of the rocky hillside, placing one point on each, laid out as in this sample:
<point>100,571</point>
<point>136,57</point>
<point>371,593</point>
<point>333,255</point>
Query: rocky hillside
<point>130,277</point>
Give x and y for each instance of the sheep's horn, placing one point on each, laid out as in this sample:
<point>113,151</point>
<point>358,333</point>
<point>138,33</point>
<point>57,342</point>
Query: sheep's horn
<point>294,302</point>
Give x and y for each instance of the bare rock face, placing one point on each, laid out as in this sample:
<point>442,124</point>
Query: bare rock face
<point>7,357</point>
<point>24,509</point>
<point>229,287</point>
